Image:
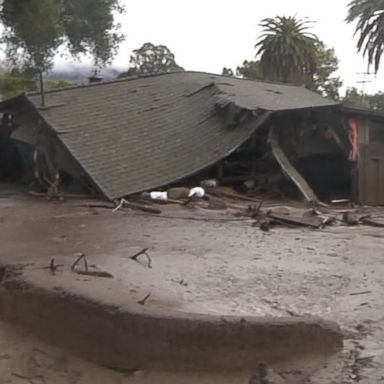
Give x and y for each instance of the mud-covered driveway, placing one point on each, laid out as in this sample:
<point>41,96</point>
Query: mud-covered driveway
<point>202,262</point>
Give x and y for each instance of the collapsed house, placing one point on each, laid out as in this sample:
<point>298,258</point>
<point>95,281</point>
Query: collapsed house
<point>124,137</point>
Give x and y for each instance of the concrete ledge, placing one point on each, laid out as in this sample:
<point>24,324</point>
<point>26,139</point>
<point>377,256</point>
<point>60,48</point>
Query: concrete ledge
<point>138,338</point>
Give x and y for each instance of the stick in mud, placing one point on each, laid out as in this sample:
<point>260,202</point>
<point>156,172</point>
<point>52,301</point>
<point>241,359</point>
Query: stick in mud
<point>142,302</point>
<point>95,273</point>
<point>360,293</point>
<point>86,271</point>
<point>144,251</point>
<point>52,266</point>
<point>81,256</point>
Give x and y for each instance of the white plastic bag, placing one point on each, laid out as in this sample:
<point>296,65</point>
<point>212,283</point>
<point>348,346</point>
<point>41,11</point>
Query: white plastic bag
<point>197,191</point>
<point>163,196</point>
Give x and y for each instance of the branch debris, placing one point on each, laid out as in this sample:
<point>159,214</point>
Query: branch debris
<point>52,266</point>
<point>142,302</point>
<point>132,205</point>
<point>81,256</point>
<point>144,251</point>
<point>86,270</point>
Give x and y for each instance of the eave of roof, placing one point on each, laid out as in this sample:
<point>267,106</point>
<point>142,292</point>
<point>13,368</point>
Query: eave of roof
<point>362,111</point>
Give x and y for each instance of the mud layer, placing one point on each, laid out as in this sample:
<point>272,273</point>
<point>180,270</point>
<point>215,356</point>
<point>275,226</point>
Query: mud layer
<point>204,264</point>
<point>130,337</point>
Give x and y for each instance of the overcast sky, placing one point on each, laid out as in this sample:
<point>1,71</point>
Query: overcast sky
<point>206,35</point>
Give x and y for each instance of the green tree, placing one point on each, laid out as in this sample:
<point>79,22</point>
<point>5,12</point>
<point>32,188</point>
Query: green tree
<point>90,27</point>
<point>353,97</point>
<point>227,72</point>
<point>250,70</point>
<point>33,30</point>
<point>53,84</point>
<point>287,51</point>
<point>376,101</point>
<point>13,81</point>
<point>327,64</point>
<point>151,58</point>
<point>369,15</point>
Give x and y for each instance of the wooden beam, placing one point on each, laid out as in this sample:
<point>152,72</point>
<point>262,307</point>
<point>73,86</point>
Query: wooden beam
<point>289,169</point>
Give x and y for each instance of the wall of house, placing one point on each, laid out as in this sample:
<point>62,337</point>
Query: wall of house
<point>371,160</point>
<point>32,131</point>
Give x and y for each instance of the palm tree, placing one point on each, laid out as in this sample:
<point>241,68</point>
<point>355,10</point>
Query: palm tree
<point>369,15</point>
<point>287,50</point>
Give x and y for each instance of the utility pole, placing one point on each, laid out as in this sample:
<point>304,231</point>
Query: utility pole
<point>363,82</point>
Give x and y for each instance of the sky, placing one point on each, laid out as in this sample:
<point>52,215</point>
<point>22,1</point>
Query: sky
<point>206,35</point>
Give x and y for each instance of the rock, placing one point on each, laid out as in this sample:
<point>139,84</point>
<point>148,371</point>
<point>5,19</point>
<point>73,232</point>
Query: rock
<point>350,218</point>
<point>266,375</point>
<point>209,183</point>
<point>176,193</point>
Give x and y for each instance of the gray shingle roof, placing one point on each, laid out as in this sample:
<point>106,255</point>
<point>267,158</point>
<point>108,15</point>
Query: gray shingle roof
<point>137,134</point>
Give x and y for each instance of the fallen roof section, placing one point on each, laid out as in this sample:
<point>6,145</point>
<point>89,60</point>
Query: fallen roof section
<point>137,134</point>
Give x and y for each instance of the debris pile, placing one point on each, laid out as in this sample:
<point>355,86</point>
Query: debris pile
<point>315,218</point>
<point>263,213</point>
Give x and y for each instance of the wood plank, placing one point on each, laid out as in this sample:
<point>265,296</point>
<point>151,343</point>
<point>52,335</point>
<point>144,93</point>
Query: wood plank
<point>306,221</point>
<point>289,169</point>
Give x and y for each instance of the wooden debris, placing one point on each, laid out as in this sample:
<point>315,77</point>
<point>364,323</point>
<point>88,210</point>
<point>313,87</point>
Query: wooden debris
<point>138,206</point>
<point>119,205</point>
<point>146,200</point>
<point>97,205</point>
<point>254,210</point>
<point>86,270</point>
<point>360,293</point>
<point>142,302</point>
<point>232,195</point>
<point>95,273</point>
<point>144,208</point>
<point>374,222</point>
<point>289,169</point>
<point>144,251</point>
<point>350,218</point>
<point>80,256</point>
<point>181,282</point>
<point>53,267</point>
<point>189,200</point>
<point>313,222</point>
<point>340,201</point>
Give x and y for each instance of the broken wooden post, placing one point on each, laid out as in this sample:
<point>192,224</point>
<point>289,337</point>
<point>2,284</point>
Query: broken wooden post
<point>289,169</point>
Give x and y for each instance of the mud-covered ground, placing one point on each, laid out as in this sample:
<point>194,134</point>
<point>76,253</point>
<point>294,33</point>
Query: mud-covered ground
<point>202,261</point>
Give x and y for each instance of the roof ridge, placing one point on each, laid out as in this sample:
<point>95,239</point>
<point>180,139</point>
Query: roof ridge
<point>150,75</point>
<point>102,83</point>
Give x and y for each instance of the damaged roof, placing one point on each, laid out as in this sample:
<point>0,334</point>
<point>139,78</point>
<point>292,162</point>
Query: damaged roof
<point>138,134</point>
